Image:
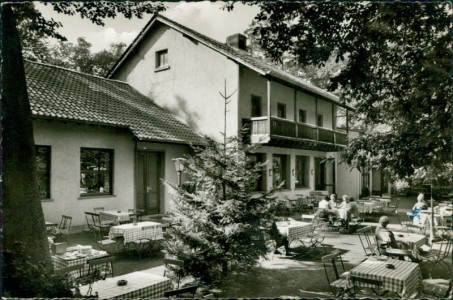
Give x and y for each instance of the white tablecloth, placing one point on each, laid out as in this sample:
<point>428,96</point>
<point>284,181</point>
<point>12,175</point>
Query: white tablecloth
<point>139,285</point>
<point>141,230</point>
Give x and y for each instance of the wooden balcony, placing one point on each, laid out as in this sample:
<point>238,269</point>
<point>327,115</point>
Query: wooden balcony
<point>286,133</point>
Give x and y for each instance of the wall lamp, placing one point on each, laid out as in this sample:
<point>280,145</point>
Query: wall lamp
<point>179,166</point>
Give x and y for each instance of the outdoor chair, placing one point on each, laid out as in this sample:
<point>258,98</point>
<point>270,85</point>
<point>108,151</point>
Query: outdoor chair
<point>144,245</point>
<point>136,213</point>
<point>182,292</point>
<point>368,241</point>
<point>104,242</point>
<point>313,240</point>
<point>436,255</point>
<point>94,221</point>
<point>100,268</point>
<point>96,210</point>
<point>338,286</point>
<point>65,224</point>
<point>73,272</point>
<point>175,266</point>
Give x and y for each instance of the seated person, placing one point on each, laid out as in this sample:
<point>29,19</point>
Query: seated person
<point>353,208</point>
<point>323,210</point>
<point>333,202</point>
<point>420,205</point>
<point>344,203</point>
<point>386,239</point>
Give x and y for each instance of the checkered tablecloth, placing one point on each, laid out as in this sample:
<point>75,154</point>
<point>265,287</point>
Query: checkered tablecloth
<point>114,216</point>
<point>294,229</point>
<point>139,285</point>
<point>414,241</point>
<point>140,230</point>
<point>65,260</point>
<point>404,279</point>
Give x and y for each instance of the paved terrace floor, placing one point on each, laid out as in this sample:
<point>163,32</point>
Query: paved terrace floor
<point>278,276</point>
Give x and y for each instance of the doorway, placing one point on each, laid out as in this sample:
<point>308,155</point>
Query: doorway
<point>148,187</point>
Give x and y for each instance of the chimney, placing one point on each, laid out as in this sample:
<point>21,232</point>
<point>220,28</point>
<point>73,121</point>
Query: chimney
<point>237,41</point>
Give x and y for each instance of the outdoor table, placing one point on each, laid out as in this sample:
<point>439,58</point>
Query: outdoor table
<point>114,216</point>
<point>72,258</point>
<point>404,279</point>
<point>414,241</point>
<point>139,285</point>
<point>445,211</point>
<point>342,213</point>
<point>368,206</point>
<point>294,229</point>
<point>135,231</point>
<point>385,201</point>
<point>424,216</point>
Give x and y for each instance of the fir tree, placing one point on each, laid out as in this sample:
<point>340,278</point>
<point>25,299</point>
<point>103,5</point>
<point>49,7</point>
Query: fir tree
<point>220,225</point>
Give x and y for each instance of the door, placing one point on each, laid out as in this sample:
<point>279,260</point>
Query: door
<point>148,185</point>
<point>320,174</point>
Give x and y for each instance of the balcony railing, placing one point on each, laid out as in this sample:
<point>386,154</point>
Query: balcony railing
<point>290,129</point>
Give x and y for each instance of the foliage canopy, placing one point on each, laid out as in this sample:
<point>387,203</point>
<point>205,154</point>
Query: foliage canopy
<point>397,73</point>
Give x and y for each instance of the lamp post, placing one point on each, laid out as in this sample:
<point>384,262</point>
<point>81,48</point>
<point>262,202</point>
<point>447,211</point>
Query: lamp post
<point>179,166</point>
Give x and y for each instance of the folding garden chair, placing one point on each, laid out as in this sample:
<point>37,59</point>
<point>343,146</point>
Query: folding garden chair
<point>175,266</point>
<point>100,268</point>
<point>368,242</point>
<point>375,285</point>
<point>437,254</point>
<point>65,224</point>
<point>339,287</point>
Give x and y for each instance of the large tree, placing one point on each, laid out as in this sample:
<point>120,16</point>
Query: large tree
<point>23,219</point>
<point>397,72</point>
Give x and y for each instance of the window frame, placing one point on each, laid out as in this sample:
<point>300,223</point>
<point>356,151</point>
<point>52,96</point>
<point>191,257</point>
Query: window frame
<point>305,182</point>
<point>46,173</point>
<point>281,107</point>
<point>159,65</point>
<point>256,105</point>
<point>109,171</point>
<point>320,120</point>
<point>302,113</point>
<point>283,172</point>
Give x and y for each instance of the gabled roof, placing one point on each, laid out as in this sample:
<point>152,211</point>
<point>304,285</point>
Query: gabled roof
<point>239,56</point>
<point>59,93</point>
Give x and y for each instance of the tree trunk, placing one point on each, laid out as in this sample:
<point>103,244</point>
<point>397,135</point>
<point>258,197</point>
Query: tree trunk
<point>23,218</point>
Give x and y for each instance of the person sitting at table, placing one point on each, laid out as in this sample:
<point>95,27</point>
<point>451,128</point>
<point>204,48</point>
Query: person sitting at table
<point>344,203</point>
<point>333,202</point>
<point>418,206</point>
<point>323,208</point>
<point>353,208</point>
<point>386,239</point>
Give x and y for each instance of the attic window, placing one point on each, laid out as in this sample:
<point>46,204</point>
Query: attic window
<point>162,60</point>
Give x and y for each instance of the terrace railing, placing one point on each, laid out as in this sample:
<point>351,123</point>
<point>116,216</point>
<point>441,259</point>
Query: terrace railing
<point>259,126</point>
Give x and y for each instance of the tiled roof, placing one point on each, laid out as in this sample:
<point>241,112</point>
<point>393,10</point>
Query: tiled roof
<point>64,94</point>
<point>240,56</point>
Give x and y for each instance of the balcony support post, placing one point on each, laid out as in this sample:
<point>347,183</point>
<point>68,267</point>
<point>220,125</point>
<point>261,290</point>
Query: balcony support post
<point>316,118</point>
<point>295,113</point>
<point>269,107</point>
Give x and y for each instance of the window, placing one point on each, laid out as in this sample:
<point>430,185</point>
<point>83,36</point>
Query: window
<point>96,167</point>
<point>319,121</point>
<point>281,110</point>
<point>320,173</point>
<point>302,116</point>
<point>279,170</point>
<point>258,158</point>
<point>302,171</point>
<point>161,59</point>
<point>256,106</point>
<point>43,171</point>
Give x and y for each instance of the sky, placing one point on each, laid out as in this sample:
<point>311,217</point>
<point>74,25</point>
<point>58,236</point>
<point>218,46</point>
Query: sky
<point>205,17</point>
